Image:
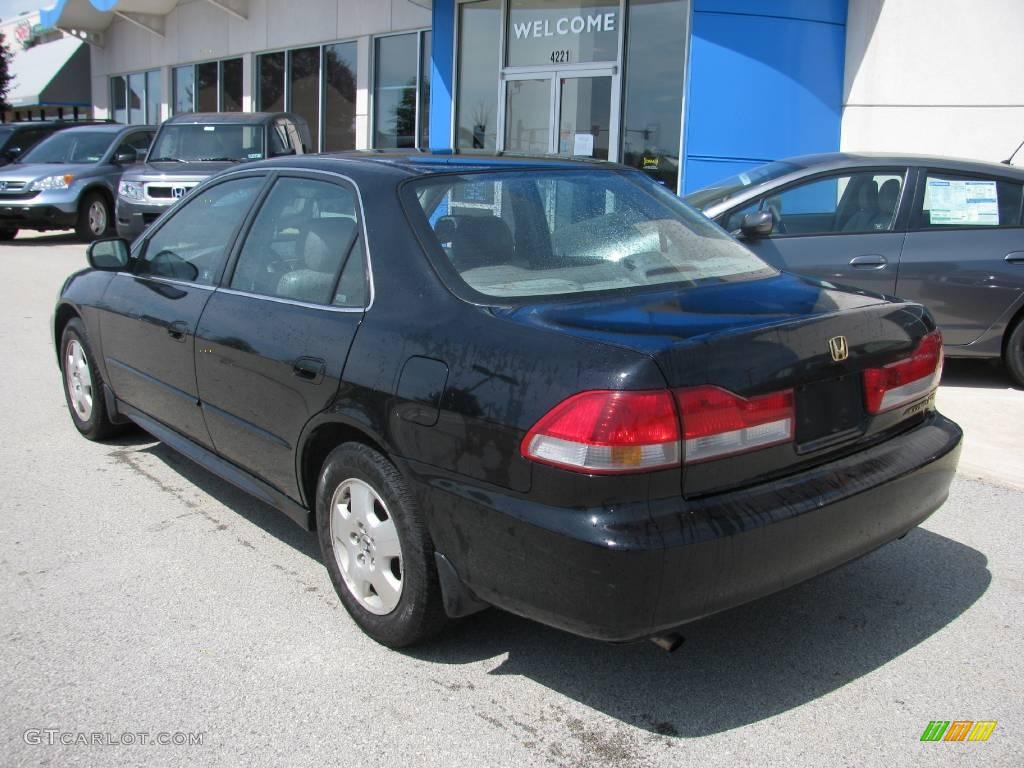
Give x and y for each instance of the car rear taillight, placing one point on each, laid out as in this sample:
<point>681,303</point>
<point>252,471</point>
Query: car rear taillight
<point>906,380</point>
<point>718,423</point>
<point>606,432</point>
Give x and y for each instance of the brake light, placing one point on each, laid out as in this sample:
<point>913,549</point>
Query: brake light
<point>606,432</point>
<point>906,380</point>
<point>718,423</point>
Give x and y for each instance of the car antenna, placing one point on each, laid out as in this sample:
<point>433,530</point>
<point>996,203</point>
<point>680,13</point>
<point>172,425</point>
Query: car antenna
<point>1009,160</point>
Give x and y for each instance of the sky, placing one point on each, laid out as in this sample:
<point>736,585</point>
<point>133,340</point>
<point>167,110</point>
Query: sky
<point>11,8</point>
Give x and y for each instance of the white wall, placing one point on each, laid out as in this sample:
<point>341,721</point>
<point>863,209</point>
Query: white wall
<point>198,31</point>
<point>939,77</point>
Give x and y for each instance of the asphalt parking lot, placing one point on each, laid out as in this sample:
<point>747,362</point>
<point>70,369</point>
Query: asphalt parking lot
<point>140,594</point>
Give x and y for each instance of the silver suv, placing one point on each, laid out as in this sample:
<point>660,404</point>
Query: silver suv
<point>69,180</point>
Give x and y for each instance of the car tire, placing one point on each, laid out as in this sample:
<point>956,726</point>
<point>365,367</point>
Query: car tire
<point>376,547</point>
<point>93,217</point>
<point>83,384</point>
<point>6,235</point>
<point>1013,354</point>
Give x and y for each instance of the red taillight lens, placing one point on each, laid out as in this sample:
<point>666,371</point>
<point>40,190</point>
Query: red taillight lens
<point>718,423</point>
<point>906,380</point>
<point>606,432</point>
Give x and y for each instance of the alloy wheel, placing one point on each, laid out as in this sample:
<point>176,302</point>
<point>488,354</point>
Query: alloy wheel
<point>79,379</point>
<point>366,546</point>
<point>97,217</point>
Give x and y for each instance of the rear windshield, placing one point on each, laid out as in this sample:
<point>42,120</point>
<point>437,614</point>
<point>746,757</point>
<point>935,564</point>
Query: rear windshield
<point>208,143</point>
<point>70,147</point>
<point>540,233</point>
<point>726,188</point>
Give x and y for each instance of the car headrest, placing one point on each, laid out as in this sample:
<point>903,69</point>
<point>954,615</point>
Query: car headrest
<point>867,195</point>
<point>476,241</point>
<point>889,195</point>
<point>325,243</point>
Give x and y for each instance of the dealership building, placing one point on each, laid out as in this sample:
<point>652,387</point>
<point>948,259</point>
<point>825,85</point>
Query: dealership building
<point>688,90</point>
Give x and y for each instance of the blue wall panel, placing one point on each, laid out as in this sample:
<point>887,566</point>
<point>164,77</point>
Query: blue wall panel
<point>765,81</point>
<point>442,67</point>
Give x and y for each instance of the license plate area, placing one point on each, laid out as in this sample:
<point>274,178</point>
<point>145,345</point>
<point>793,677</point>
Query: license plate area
<point>828,412</point>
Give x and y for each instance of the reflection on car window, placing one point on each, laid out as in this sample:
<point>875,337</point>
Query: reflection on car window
<point>846,203</point>
<point>209,143</point>
<point>726,188</point>
<point>192,245</point>
<point>951,200</point>
<point>70,147</point>
<point>563,232</point>
<point>304,237</point>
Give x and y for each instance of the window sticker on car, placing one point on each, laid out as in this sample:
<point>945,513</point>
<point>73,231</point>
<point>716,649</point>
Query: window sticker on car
<point>255,156</point>
<point>973,203</point>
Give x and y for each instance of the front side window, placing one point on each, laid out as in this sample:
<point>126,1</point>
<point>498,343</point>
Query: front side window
<point>727,187</point>
<point>223,142</point>
<point>951,200</point>
<point>70,147</point>
<point>192,245</point>
<point>537,233</point>
<point>843,204</point>
<point>304,246</point>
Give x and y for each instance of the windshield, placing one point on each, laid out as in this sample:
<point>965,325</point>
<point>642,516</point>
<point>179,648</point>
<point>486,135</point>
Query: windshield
<point>542,233</point>
<point>70,147</point>
<point>208,143</point>
<point>726,188</point>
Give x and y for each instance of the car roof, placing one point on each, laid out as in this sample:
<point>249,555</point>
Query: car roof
<point>109,128</point>
<point>26,124</point>
<point>412,163</point>
<point>830,160</point>
<point>228,118</point>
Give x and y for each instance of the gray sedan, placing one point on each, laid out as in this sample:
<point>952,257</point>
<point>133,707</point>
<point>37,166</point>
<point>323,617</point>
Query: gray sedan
<point>69,180</point>
<point>947,233</point>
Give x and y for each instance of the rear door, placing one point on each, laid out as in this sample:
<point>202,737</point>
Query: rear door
<point>843,227</point>
<point>964,255</point>
<point>273,341</point>
<point>149,315</point>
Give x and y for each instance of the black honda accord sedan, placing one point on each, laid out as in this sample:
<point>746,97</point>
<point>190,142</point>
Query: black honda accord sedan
<point>543,385</point>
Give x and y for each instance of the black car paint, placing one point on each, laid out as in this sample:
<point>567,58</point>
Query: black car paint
<point>448,388</point>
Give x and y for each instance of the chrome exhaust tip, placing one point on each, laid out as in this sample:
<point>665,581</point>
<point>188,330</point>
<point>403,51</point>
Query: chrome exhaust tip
<point>668,642</point>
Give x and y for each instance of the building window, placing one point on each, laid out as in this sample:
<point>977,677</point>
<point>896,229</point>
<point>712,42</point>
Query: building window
<point>291,81</point>
<point>135,97</point>
<point>210,86</point>
<point>304,88</point>
<point>399,117</point>
<point>653,87</point>
<point>271,86</point>
<point>339,97</point>
<point>479,61</point>
<point>231,86</point>
<point>542,32</point>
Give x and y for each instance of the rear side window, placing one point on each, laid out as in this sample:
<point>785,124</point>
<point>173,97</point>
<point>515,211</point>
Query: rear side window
<point>305,245</point>
<point>841,204</point>
<point>541,233</point>
<point>952,200</point>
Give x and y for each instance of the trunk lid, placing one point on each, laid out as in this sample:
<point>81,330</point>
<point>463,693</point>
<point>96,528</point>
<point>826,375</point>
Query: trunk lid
<point>758,337</point>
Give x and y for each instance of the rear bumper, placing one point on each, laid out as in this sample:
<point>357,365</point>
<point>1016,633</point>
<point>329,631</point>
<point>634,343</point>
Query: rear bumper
<point>625,572</point>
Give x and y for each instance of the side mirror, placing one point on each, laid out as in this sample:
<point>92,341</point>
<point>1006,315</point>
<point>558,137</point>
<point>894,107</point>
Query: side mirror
<point>757,224</point>
<point>283,152</point>
<point>126,157</point>
<point>111,255</point>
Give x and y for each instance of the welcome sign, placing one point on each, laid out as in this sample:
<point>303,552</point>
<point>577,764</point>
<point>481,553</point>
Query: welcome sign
<point>562,32</point>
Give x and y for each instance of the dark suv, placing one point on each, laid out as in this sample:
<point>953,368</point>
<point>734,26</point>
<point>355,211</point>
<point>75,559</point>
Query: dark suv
<point>189,148</point>
<point>18,138</point>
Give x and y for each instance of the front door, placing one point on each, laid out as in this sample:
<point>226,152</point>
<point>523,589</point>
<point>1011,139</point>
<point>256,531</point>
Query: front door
<point>566,112</point>
<point>149,339</point>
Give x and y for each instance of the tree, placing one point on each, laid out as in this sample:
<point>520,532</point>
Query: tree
<point>5,74</point>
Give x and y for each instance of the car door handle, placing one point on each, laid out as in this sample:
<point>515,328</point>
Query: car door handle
<point>309,369</point>
<point>1014,257</point>
<point>178,330</point>
<point>870,261</point>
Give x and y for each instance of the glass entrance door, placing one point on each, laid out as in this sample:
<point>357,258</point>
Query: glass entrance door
<point>570,113</point>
